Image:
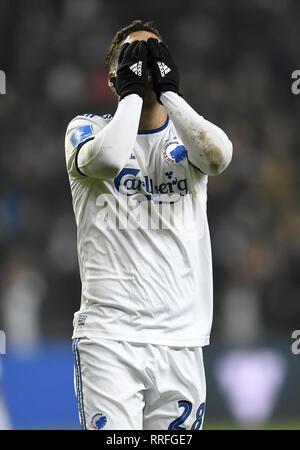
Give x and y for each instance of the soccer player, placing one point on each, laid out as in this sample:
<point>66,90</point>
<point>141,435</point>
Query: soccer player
<point>138,181</point>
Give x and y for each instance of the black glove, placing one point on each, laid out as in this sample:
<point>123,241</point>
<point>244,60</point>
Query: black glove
<point>165,75</point>
<point>132,76</point>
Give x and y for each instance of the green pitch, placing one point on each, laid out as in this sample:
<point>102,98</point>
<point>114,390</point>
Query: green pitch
<point>293,424</point>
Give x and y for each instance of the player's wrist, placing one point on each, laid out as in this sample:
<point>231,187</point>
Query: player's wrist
<point>165,93</point>
<point>133,97</point>
<point>132,91</point>
<point>127,87</point>
<point>164,90</point>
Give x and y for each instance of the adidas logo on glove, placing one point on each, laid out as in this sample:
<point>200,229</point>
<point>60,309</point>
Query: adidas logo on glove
<point>164,69</point>
<point>137,68</point>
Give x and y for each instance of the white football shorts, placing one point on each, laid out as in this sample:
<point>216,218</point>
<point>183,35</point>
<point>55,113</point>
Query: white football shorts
<point>135,386</point>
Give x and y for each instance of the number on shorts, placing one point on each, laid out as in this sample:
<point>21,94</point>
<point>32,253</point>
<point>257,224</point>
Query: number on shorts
<point>199,416</point>
<point>175,425</point>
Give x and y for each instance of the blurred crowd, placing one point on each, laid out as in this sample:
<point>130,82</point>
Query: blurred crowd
<point>235,60</point>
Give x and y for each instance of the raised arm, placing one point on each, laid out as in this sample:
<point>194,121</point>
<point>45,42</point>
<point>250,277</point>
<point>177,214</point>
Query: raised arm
<point>105,154</point>
<point>207,146</point>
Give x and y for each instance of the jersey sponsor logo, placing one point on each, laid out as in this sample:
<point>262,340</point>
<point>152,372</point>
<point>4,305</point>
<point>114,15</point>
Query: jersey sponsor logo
<point>174,151</point>
<point>81,134</point>
<point>131,182</point>
<point>137,68</point>
<point>163,68</point>
<point>98,421</point>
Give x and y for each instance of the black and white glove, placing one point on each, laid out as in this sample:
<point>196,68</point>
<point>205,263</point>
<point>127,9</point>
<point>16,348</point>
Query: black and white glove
<point>132,76</point>
<point>165,75</point>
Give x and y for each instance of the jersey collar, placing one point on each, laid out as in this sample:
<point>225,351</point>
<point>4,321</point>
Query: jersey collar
<point>156,130</point>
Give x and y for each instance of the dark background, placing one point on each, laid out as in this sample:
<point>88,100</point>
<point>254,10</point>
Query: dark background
<point>236,59</point>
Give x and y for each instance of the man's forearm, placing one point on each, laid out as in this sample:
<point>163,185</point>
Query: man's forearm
<point>207,145</point>
<point>107,154</point>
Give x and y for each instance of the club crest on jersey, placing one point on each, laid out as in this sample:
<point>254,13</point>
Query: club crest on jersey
<point>174,151</point>
<point>98,421</point>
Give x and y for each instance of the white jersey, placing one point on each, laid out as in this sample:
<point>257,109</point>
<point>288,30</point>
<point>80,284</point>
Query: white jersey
<point>143,242</point>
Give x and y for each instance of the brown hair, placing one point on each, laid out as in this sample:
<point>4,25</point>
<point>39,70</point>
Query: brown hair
<point>113,51</point>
